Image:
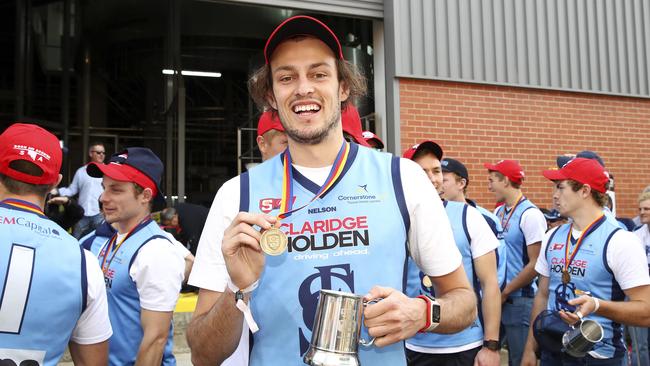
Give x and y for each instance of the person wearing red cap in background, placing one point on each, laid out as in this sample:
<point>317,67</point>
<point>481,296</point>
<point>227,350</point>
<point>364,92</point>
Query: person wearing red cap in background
<point>271,139</point>
<point>477,344</point>
<point>52,290</point>
<point>587,269</point>
<point>143,269</point>
<point>373,140</point>
<point>307,81</point>
<point>351,124</point>
<point>524,226</point>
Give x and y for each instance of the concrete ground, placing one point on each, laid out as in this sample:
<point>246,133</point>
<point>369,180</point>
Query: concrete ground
<point>182,351</point>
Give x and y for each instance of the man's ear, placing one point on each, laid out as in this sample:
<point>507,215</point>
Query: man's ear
<point>344,91</point>
<point>147,195</point>
<point>261,144</point>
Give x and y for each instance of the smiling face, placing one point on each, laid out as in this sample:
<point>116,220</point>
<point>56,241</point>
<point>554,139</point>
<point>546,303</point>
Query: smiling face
<point>431,166</point>
<point>644,211</point>
<point>306,91</point>
<point>122,204</point>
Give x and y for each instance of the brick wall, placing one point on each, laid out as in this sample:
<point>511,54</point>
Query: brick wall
<point>482,123</point>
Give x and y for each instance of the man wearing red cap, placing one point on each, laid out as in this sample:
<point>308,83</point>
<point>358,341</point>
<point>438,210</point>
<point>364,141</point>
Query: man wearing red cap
<point>479,343</point>
<point>587,269</point>
<point>52,290</point>
<point>271,139</point>
<point>373,140</point>
<point>351,124</point>
<point>143,271</point>
<point>523,226</point>
<point>334,215</point>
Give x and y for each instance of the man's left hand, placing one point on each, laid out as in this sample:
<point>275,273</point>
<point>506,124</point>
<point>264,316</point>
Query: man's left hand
<point>585,305</point>
<point>486,357</point>
<point>395,318</point>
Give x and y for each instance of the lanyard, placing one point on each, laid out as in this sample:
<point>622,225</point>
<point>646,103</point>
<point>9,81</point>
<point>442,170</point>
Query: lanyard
<point>569,255</point>
<point>286,205</point>
<point>110,246</point>
<point>512,211</point>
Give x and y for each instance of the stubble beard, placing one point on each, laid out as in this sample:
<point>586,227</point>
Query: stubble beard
<point>314,137</point>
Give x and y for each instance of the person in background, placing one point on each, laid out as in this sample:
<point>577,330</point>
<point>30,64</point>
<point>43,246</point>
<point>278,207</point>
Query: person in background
<point>373,140</point>
<point>63,210</point>
<point>637,219</point>
<point>587,268</point>
<point>553,218</point>
<point>88,189</point>
<point>609,207</point>
<point>640,335</point>
<point>524,227</point>
<point>143,272</point>
<point>351,124</point>
<point>478,343</point>
<point>186,221</point>
<point>271,139</point>
<point>53,294</point>
<point>454,188</point>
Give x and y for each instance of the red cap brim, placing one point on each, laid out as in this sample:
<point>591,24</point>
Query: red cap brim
<point>122,173</point>
<point>554,175</point>
<point>490,167</point>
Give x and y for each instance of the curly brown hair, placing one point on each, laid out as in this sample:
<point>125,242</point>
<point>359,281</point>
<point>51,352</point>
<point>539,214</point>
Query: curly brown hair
<point>260,83</point>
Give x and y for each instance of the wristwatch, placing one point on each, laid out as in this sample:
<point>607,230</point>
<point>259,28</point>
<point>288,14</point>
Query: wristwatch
<point>492,345</point>
<point>433,313</point>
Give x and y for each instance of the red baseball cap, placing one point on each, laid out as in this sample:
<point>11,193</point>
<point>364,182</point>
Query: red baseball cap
<point>269,120</point>
<point>429,145</point>
<point>32,143</point>
<point>352,124</point>
<point>585,171</point>
<point>509,168</point>
<point>370,136</point>
<point>302,25</point>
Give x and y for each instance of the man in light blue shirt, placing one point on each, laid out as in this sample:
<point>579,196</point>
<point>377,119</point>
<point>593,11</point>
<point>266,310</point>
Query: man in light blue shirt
<point>89,189</point>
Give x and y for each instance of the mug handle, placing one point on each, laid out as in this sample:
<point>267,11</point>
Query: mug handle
<point>362,341</point>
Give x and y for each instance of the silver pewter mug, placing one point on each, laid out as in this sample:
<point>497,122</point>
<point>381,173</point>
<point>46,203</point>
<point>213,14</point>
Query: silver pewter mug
<point>581,338</point>
<point>337,330</point>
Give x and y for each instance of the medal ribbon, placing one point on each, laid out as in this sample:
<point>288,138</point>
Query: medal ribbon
<point>286,206</point>
<point>24,205</point>
<point>570,255</point>
<point>512,211</point>
<point>110,247</point>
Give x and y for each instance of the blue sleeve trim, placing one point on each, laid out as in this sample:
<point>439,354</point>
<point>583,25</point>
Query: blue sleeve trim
<point>605,250</point>
<point>84,281</point>
<point>244,192</point>
<point>399,192</point>
<point>88,243</point>
<point>143,244</point>
<point>465,229</point>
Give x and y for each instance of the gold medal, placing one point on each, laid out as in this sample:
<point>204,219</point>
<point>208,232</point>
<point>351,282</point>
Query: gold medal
<point>426,281</point>
<point>273,241</point>
<point>566,277</point>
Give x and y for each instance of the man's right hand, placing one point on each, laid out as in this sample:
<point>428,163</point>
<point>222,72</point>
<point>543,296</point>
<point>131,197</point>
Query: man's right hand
<point>241,247</point>
<point>529,358</point>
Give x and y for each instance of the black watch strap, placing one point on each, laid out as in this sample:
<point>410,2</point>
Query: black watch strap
<point>492,345</point>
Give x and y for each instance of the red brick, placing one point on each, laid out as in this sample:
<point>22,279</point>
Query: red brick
<point>479,123</point>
